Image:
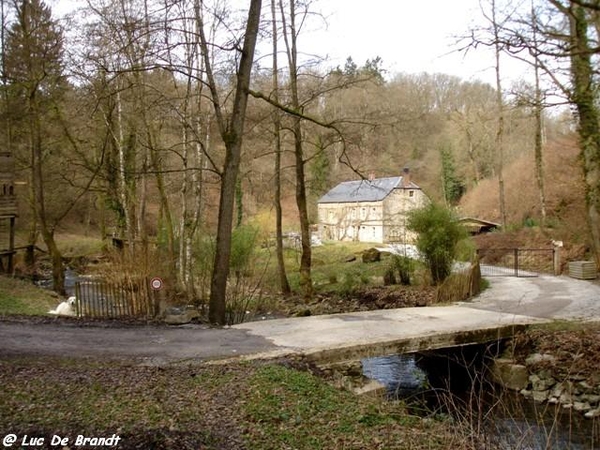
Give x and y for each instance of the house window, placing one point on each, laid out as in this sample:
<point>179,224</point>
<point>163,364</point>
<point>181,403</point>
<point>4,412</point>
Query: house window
<point>374,232</point>
<point>353,213</point>
<point>330,214</point>
<point>411,193</point>
<point>363,213</point>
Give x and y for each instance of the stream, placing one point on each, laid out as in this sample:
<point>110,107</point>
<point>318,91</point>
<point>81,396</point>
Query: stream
<point>438,384</point>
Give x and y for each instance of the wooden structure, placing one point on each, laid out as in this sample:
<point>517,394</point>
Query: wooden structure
<point>8,212</point>
<point>129,298</point>
<point>583,270</point>
<point>478,226</point>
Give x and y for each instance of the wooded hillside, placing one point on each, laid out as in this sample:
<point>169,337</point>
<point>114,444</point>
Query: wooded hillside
<point>158,122</point>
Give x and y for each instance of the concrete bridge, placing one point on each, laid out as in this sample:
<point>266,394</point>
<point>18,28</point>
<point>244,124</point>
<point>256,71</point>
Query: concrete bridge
<point>352,336</point>
<point>509,304</point>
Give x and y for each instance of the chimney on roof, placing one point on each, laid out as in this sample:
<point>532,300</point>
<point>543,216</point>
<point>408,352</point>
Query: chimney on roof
<point>371,175</point>
<point>405,177</point>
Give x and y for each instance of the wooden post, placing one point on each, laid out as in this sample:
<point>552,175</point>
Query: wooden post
<point>516,262</point>
<point>556,259</point>
<point>11,245</point>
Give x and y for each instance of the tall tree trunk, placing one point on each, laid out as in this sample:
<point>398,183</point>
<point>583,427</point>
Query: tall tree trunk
<point>584,88</point>
<point>292,52</point>
<point>232,133</point>
<point>500,128</point>
<point>58,273</point>
<point>284,285</point>
<point>538,141</point>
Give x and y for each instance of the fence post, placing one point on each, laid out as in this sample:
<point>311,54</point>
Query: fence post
<point>556,260</point>
<point>78,308</point>
<point>516,262</point>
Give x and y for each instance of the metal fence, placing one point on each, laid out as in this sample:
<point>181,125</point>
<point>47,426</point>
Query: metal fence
<point>110,300</point>
<point>516,262</point>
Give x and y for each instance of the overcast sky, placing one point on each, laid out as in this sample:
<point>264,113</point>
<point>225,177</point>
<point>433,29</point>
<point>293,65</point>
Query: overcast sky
<point>410,36</point>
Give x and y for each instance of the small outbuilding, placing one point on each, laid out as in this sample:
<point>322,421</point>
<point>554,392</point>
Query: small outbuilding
<point>370,210</point>
<point>8,212</point>
<point>478,226</point>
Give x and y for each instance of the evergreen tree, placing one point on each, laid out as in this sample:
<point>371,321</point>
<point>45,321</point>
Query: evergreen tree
<point>34,74</point>
<point>453,185</point>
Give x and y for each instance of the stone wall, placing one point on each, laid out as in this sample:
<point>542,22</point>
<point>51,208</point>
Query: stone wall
<point>536,380</point>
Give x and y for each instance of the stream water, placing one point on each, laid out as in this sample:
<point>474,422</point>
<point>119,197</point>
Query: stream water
<point>437,384</point>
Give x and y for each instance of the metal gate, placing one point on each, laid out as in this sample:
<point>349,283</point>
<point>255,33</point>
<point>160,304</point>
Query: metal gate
<point>516,262</point>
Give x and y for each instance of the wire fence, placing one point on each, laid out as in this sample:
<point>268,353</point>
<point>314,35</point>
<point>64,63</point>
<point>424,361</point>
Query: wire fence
<point>517,262</point>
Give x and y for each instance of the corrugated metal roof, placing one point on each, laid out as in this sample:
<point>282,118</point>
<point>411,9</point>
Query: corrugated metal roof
<point>363,190</point>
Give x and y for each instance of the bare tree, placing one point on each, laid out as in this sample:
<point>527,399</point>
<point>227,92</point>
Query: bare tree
<point>231,129</point>
<point>290,35</point>
<point>283,281</point>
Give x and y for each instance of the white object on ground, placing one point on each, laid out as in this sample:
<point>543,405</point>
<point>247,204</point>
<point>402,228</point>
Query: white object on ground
<point>65,308</point>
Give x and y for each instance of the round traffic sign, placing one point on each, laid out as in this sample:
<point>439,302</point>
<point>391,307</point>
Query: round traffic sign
<point>156,283</point>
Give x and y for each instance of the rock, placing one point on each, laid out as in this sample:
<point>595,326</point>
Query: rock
<point>510,375</point>
<point>177,319</point>
<point>582,406</point>
<point>350,258</point>
<point>541,384</point>
<point>592,414</point>
<point>577,377</point>
<point>565,398</point>
<point>373,387</point>
<point>592,399</point>
<point>526,393</point>
<point>540,396</point>
<point>371,255</point>
<point>585,386</point>
<point>537,358</point>
<point>558,390</point>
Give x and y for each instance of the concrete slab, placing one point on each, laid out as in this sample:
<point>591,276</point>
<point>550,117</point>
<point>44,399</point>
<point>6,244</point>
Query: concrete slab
<point>545,296</point>
<point>356,335</point>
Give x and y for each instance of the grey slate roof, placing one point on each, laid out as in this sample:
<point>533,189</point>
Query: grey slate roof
<point>363,190</point>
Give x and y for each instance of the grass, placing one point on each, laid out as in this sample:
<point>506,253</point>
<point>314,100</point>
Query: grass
<point>331,271</point>
<point>22,297</point>
<point>248,405</point>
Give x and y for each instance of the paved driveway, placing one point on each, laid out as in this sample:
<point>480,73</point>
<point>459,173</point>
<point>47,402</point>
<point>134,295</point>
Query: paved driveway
<point>544,296</point>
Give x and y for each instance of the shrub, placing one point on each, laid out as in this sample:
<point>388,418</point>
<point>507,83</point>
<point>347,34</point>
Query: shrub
<point>399,265</point>
<point>438,235</point>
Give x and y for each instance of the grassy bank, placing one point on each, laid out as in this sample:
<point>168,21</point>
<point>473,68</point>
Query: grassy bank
<point>22,297</point>
<point>240,406</point>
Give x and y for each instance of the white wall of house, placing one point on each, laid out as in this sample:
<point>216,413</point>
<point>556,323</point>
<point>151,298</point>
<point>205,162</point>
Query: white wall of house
<point>397,205</point>
<point>359,221</point>
<point>376,222</point>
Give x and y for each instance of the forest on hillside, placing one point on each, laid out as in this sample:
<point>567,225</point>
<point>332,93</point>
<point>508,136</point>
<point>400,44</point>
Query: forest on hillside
<point>171,122</point>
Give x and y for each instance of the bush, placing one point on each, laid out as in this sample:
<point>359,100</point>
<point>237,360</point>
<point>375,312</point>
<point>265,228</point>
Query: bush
<point>438,236</point>
<point>403,266</point>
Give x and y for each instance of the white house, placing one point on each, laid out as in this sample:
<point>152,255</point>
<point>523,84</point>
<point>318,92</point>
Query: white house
<point>373,210</point>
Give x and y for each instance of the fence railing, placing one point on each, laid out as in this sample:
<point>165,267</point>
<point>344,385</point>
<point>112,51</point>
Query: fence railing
<point>517,262</point>
<point>102,299</point>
